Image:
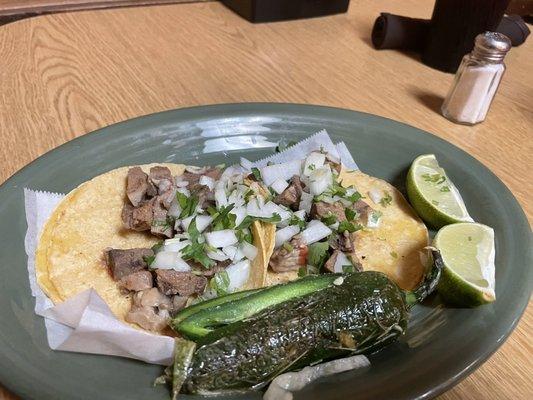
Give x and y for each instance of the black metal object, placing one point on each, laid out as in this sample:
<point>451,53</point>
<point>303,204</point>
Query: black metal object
<point>278,10</point>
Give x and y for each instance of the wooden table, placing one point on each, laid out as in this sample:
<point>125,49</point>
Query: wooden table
<point>68,74</point>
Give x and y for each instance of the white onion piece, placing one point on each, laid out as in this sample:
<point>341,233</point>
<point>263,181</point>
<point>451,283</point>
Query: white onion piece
<point>174,210</point>
<point>316,160</point>
<point>232,170</point>
<point>240,214</point>
<point>175,245</point>
<point>185,222</point>
<point>181,183</point>
<point>306,201</point>
<point>236,197</point>
<point>279,185</point>
<point>246,164</point>
<point>286,234</point>
<point>284,171</point>
<point>249,250</point>
<point>217,255</point>
<point>184,191</point>
<point>300,214</point>
<point>375,195</point>
<point>220,195</point>
<point>238,275</point>
<point>319,180</point>
<point>223,238</point>
<point>373,220</point>
<point>340,261</point>
<point>170,260</point>
<point>315,231</point>
<point>230,251</point>
<point>207,181</point>
<point>252,208</point>
<point>202,222</point>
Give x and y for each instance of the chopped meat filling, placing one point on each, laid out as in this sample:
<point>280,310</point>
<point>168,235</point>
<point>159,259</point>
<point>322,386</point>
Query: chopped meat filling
<point>172,282</point>
<point>330,264</point>
<point>137,281</point>
<point>136,186</point>
<point>290,197</point>
<point>343,242</point>
<point>321,209</point>
<point>291,257</point>
<point>147,312</point>
<point>125,262</point>
<point>160,225</point>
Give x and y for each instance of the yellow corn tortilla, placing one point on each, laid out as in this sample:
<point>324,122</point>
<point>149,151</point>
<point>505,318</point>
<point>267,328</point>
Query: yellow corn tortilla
<point>392,248</point>
<point>69,257</point>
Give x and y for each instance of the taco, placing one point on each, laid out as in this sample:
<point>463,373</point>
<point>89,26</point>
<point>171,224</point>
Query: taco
<point>125,234</point>
<point>353,222</point>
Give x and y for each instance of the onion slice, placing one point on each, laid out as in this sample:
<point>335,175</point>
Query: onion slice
<point>170,260</point>
<point>284,171</point>
<point>286,234</point>
<point>220,239</point>
<point>315,231</point>
<point>238,275</point>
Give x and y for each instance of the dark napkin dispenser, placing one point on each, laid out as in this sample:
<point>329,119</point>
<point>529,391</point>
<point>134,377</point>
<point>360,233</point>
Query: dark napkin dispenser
<point>278,10</point>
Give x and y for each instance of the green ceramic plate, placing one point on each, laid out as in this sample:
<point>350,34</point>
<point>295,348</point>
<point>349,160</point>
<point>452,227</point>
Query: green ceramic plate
<point>443,344</point>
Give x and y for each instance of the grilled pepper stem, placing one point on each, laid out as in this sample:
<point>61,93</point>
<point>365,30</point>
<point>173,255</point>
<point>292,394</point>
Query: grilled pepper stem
<point>183,353</point>
<point>209,317</point>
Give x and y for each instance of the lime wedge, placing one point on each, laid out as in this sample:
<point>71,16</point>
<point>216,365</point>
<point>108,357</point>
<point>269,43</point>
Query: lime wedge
<point>467,251</point>
<point>433,195</point>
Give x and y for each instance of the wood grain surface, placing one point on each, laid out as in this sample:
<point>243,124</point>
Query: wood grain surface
<point>68,74</point>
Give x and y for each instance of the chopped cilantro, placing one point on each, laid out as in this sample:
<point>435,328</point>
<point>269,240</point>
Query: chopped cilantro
<point>434,178</point>
<point>445,189</point>
<point>294,220</point>
<point>375,216</point>
<point>188,205</point>
<point>347,269</point>
<point>249,219</point>
<point>311,167</point>
<point>220,282</point>
<point>354,198</point>
<point>302,272</point>
<point>348,226</point>
<point>350,214</point>
<point>244,235</point>
<point>148,260</point>
<point>196,251</point>
<point>329,219</point>
<point>307,270</point>
<point>223,219</point>
<point>287,246</point>
<point>156,247</point>
<point>318,254</point>
<point>249,193</point>
<point>386,200</point>
<point>256,173</point>
<point>394,254</point>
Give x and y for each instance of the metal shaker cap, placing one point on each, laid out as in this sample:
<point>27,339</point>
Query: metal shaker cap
<point>491,46</point>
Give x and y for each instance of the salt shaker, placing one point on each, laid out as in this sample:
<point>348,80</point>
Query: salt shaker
<point>477,80</point>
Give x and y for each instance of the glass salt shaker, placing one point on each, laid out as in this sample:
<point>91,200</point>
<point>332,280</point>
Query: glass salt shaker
<point>477,80</point>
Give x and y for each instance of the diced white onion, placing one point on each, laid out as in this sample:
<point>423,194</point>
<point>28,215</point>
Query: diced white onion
<point>175,245</point>
<point>230,251</point>
<point>174,210</point>
<point>272,208</point>
<point>284,171</point>
<point>223,238</point>
<point>181,183</point>
<point>185,222</point>
<point>240,214</point>
<point>300,214</point>
<point>340,261</point>
<point>232,170</point>
<point>279,185</point>
<point>193,169</point>
<point>220,195</point>
<point>286,234</point>
<point>249,250</point>
<point>184,191</point>
<point>313,162</point>
<point>375,195</point>
<point>202,222</point>
<point>207,181</point>
<point>217,255</point>
<point>306,201</point>
<point>170,260</point>
<point>238,275</point>
<point>373,220</point>
<point>315,231</point>
<point>319,180</point>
